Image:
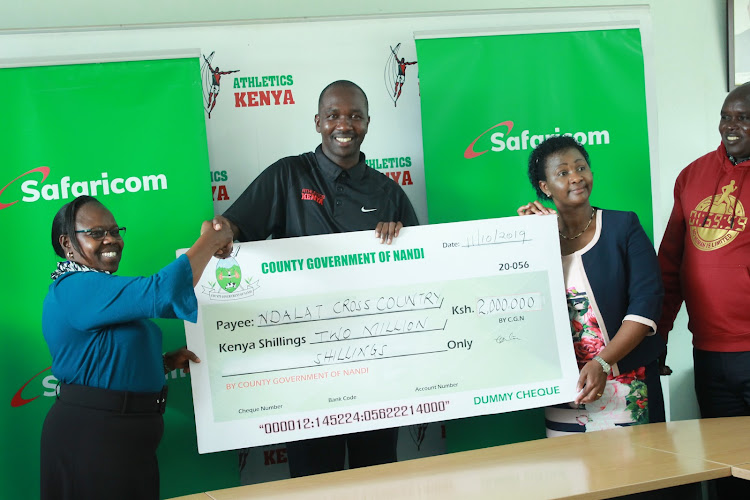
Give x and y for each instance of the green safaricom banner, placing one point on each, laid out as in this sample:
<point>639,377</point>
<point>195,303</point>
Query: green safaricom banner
<point>487,101</point>
<point>131,133</point>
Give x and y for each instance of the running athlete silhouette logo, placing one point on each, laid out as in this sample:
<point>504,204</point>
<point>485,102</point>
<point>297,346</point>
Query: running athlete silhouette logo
<point>395,73</point>
<point>211,80</point>
<point>725,192</point>
<point>717,220</point>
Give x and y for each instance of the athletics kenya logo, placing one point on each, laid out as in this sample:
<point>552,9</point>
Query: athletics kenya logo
<point>35,190</point>
<point>502,141</point>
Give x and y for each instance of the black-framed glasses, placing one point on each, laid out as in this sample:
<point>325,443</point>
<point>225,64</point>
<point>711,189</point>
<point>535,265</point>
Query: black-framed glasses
<point>99,234</point>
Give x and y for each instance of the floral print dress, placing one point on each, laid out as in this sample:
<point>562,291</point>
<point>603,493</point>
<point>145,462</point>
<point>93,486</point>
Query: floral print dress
<point>625,397</point>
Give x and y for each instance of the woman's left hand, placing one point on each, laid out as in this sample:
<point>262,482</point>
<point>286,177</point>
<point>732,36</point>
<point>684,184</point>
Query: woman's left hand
<point>591,383</point>
<point>180,358</point>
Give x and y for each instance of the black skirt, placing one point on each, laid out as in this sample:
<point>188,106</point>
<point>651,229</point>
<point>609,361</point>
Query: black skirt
<point>90,453</point>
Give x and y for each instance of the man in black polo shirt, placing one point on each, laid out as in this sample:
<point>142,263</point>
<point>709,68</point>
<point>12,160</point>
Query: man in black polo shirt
<point>329,191</point>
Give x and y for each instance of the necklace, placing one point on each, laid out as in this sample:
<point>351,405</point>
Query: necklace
<point>593,211</point>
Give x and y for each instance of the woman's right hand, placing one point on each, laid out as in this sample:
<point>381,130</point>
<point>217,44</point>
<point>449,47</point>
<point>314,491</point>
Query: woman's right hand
<point>534,208</point>
<point>591,383</point>
<point>220,233</point>
<point>215,239</point>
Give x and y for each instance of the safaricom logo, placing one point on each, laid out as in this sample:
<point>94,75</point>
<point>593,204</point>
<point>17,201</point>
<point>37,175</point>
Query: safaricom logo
<point>49,383</point>
<point>47,386</point>
<point>35,189</point>
<point>503,140</point>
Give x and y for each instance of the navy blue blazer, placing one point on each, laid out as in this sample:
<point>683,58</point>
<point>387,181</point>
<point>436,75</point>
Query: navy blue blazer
<point>623,271</point>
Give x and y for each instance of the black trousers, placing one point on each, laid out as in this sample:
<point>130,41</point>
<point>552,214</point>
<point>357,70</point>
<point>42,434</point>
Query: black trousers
<point>316,456</point>
<point>94,454</point>
<point>722,387</point>
<point>656,410</point>
<point>722,383</point>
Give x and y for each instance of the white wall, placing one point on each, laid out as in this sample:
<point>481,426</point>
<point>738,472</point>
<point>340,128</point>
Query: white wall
<point>689,61</point>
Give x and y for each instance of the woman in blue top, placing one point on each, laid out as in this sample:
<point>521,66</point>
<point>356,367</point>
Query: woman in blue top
<point>614,293</point>
<point>100,437</point>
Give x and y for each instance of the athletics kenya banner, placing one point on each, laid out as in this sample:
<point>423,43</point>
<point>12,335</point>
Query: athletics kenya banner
<point>103,129</point>
<point>487,101</point>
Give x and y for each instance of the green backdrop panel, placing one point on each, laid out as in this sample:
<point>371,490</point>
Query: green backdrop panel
<point>488,100</point>
<point>590,84</point>
<point>135,132</point>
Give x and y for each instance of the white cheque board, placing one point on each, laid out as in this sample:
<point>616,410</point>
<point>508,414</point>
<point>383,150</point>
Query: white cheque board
<point>333,334</point>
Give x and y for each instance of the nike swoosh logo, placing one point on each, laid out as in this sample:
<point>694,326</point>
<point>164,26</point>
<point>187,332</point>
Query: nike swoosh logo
<point>365,210</point>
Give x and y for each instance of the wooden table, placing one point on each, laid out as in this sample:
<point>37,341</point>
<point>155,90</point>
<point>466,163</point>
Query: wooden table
<point>591,465</point>
<point>742,471</point>
<point>723,440</point>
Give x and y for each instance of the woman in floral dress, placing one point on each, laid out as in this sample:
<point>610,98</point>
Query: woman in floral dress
<point>614,294</point>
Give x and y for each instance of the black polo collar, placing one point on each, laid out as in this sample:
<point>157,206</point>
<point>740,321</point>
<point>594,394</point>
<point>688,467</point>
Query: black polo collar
<point>333,171</point>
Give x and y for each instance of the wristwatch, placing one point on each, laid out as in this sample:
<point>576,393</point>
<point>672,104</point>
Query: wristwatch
<point>605,365</point>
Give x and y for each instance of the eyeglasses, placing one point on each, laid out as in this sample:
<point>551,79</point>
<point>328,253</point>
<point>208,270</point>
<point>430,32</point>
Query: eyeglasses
<point>99,234</point>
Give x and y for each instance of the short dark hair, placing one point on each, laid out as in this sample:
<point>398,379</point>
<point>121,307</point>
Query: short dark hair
<point>344,84</point>
<point>742,90</point>
<point>538,159</point>
<point>64,222</point>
